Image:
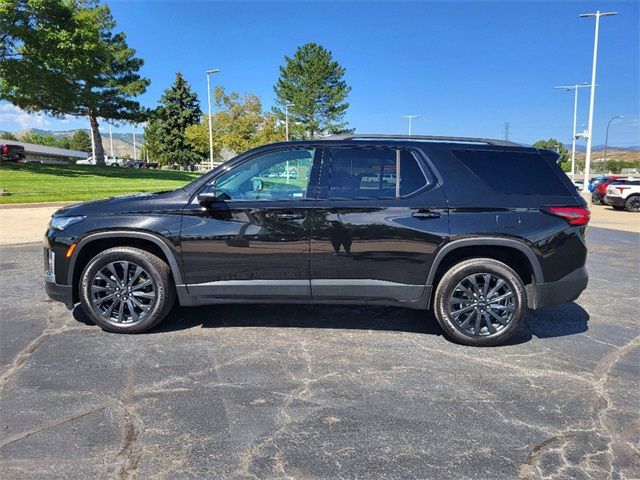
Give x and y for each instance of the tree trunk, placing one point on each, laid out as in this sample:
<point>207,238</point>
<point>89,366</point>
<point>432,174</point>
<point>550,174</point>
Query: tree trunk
<point>97,140</point>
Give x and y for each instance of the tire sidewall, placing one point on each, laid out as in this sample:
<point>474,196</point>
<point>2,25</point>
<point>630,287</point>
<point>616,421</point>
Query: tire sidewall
<point>158,308</point>
<point>462,270</point>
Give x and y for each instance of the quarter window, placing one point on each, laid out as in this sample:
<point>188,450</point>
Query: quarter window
<point>281,175</point>
<point>373,173</point>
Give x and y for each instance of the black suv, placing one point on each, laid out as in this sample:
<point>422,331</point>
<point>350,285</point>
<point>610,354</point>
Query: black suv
<point>477,230</point>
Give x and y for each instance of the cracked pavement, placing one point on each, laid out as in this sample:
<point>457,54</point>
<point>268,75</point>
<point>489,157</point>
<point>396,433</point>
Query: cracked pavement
<point>265,391</point>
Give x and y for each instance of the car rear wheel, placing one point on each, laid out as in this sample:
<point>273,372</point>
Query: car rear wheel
<point>126,290</point>
<point>480,302</point>
<point>633,204</point>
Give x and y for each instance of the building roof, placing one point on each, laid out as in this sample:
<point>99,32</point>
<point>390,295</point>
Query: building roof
<point>46,150</point>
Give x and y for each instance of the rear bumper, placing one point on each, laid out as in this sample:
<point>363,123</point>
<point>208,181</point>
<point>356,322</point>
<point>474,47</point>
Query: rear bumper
<point>61,293</point>
<point>614,201</point>
<point>564,290</point>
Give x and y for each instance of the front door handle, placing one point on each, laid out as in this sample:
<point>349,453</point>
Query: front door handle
<point>290,216</point>
<point>425,214</point>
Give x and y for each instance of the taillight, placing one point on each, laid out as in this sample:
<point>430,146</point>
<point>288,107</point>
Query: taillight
<point>622,189</point>
<point>575,216</point>
<point>5,149</point>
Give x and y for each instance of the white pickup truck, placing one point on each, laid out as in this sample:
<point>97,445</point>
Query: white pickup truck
<point>108,161</point>
<point>624,195</point>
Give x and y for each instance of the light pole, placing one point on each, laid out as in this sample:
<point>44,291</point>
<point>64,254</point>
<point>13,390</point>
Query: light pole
<point>606,142</point>
<point>111,141</point>
<point>587,162</point>
<point>410,118</point>
<point>134,142</point>
<point>286,120</point>
<point>575,115</point>
<point>209,72</point>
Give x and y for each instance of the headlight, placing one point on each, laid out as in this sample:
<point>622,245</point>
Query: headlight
<point>60,223</point>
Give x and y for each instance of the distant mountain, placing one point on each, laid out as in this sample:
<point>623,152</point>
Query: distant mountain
<point>122,142</point>
<point>595,148</point>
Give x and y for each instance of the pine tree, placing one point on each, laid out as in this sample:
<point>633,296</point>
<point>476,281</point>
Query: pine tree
<point>63,58</point>
<point>80,141</point>
<point>179,108</point>
<point>312,84</point>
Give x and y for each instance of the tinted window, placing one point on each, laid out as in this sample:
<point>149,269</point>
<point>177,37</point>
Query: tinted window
<point>282,175</point>
<point>371,173</point>
<point>513,173</point>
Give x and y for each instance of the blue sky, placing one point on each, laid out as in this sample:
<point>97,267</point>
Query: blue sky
<point>466,67</point>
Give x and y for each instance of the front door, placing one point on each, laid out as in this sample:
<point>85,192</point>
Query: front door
<point>381,216</point>
<point>253,242</point>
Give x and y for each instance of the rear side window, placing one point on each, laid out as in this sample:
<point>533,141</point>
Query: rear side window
<point>513,173</point>
<point>373,173</point>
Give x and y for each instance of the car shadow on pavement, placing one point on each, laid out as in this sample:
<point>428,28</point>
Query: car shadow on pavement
<point>563,320</point>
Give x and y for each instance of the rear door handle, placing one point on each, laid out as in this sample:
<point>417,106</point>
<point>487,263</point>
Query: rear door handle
<point>290,216</point>
<point>425,214</point>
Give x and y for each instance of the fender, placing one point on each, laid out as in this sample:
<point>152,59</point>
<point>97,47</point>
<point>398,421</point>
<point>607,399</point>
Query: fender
<point>173,263</point>
<point>487,241</point>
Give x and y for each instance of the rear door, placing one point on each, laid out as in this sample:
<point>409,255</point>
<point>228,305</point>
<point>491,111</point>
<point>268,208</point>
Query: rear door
<point>381,215</point>
<point>253,242</point>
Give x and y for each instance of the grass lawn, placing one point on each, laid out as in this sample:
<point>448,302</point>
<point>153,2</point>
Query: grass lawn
<point>58,183</point>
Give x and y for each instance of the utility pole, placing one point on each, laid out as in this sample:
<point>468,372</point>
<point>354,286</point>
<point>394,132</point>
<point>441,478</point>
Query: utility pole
<point>410,118</point>
<point>587,163</point>
<point>574,137</point>
<point>507,126</point>
<point>209,72</point>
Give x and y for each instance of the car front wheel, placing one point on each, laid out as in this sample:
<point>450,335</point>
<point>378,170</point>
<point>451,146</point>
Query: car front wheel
<point>480,302</point>
<point>126,290</point>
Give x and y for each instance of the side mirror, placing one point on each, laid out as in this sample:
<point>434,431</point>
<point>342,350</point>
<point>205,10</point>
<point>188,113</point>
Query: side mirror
<point>257,185</point>
<point>207,198</point>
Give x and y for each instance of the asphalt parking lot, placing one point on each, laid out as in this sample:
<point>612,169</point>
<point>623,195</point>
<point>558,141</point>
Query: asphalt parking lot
<point>322,392</point>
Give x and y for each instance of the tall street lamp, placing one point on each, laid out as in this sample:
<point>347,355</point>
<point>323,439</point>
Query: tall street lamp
<point>209,72</point>
<point>587,163</point>
<point>575,115</point>
<point>606,142</point>
<point>286,120</point>
<point>410,118</point>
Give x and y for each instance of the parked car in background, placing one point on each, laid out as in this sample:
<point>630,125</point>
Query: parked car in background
<point>624,195</point>
<point>12,153</point>
<point>140,164</point>
<point>477,230</point>
<point>579,184</point>
<point>600,189</point>
<point>108,161</point>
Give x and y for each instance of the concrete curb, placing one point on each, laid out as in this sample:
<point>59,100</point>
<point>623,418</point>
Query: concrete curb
<point>6,206</point>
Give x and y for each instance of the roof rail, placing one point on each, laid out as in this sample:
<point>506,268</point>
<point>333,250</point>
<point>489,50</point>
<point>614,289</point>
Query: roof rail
<point>424,138</point>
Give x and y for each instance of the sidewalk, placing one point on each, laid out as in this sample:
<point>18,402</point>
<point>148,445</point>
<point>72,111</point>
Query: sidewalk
<point>26,223</point>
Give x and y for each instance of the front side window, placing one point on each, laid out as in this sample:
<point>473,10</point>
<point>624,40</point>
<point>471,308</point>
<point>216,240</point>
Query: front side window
<point>282,175</point>
<point>373,173</point>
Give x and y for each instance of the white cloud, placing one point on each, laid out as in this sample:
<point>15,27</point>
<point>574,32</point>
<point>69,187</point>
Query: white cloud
<point>14,118</point>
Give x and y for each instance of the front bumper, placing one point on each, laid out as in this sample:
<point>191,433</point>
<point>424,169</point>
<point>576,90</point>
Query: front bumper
<point>567,289</point>
<point>61,293</point>
<point>614,201</point>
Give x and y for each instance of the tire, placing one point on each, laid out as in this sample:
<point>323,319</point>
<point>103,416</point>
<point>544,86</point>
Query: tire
<point>147,296</point>
<point>454,293</point>
<point>632,204</point>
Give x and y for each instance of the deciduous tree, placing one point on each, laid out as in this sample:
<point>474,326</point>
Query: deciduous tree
<point>80,141</point>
